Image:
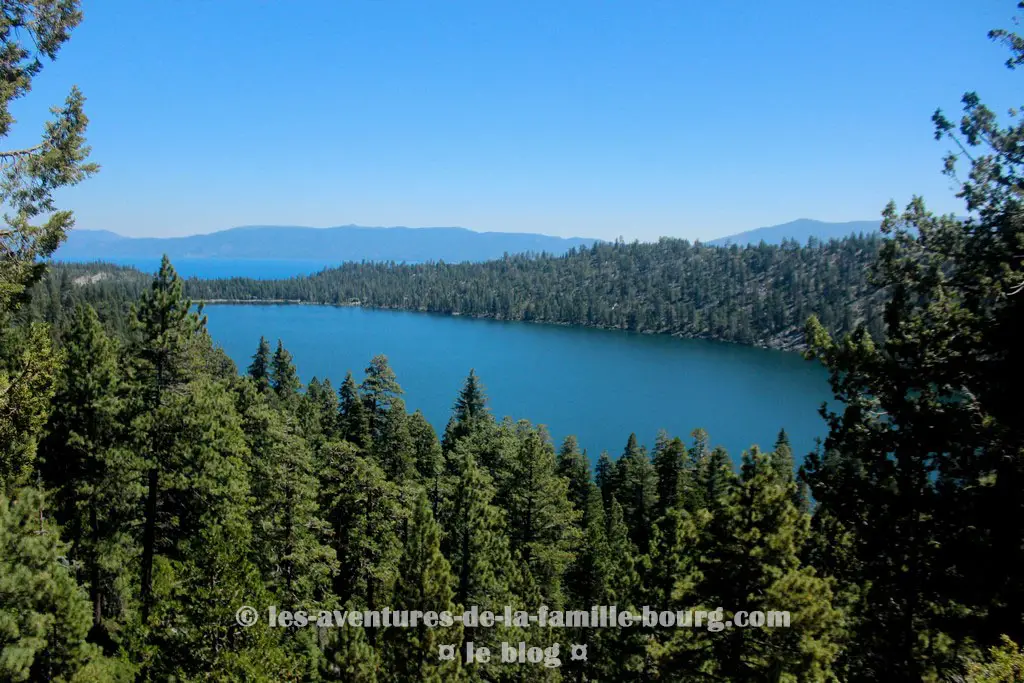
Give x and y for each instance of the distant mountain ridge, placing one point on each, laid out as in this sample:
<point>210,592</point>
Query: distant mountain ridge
<point>327,245</point>
<point>799,230</point>
<point>335,245</point>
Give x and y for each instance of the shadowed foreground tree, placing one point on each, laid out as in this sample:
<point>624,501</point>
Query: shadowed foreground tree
<point>924,463</point>
<point>31,32</point>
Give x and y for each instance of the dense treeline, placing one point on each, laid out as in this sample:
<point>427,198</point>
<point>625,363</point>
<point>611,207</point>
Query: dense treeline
<point>107,288</point>
<point>758,295</point>
<point>183,491</point>
<point>753,295</point>
<point>148,490</point>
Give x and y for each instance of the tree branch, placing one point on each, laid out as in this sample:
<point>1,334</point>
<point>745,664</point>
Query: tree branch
<point>16,153</point>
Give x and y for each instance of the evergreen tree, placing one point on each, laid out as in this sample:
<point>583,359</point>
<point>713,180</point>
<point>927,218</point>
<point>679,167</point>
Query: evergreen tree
<point>425,583</point>
<point>573,465</point>
<point>427,456</point>
<point>203,542</point>
<point>782,457</point>
<point>393,447</point>
<point>474,538</point>
<point>542,520</point>
<point>673,582</point>
<point>259,369</point>
<point>168,337</point>
<point>620,652</point>
<point>44,615</point>
<point>28,371</point>
<point>379,391</point>
<point>32,31</point>
<point>94,478</point>
<point>670,467</point>
<point>353,418</point>
<point>284,380</point>
<point>289,536</point>
<point>587,578</point>
<point>604,477</point>
<point>365,513</point>
<point>352,659</point>
<point>762,570</point>
<point>636,488</point>
<point>782,460</point>
<point>922,465</point>
<point>321,405</point>
<point>694,494</point>
<point>470,412</point>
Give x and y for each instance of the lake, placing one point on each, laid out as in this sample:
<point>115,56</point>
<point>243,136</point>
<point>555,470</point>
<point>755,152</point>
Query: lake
<point>211,268</point>
<point>597,384</point>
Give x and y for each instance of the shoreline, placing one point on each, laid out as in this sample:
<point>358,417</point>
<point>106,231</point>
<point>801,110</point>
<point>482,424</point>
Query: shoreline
<point>770,346</point>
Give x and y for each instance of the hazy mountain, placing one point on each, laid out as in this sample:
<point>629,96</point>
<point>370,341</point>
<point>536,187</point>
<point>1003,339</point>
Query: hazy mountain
<point>799,230</point>
<point>326,245</point>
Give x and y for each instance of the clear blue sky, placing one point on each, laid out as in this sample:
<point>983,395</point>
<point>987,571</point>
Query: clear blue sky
<point>596,118</point>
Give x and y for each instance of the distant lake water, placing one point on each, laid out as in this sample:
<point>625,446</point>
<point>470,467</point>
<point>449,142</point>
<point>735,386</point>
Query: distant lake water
<point>258,269</point>
<point>597,384</point>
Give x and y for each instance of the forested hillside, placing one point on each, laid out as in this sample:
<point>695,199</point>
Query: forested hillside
<point>751,295</point>
<point>149,489</point>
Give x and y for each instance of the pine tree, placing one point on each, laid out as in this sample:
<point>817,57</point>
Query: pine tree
<point>470,412</point>
<point>587,578</point>
<point>675,552</point>
<point>782,456</point>
<point>620,653</point>
<point>379,391</point>
<point>496,450</point>
<point>284,380</point>
<point>636,489</point>
<point>351,658</point>
<point>427,456</point>
<point>474,538</point>
<point>425,583</point>
<point>393,446</point>
<point>604,477</point>
<point>31,32</point>
<point>321,402</point>
<point>94,478</point>
<point>365,513</point>
<point>673,583</point>
<point>203,539</point>
<point>716,477</point>
<point>542,521</point>
<point>289,536</point>
<point>762,570</point>
<point>782,460</point>
<point>922,465</point>
<point>169,337</point>
<point>573,465</point>
<point>353,418</point>
<point>259,370</point>
<point>694,494</point>
<point>28,371</point>
<point>44,615</point>
<point>670,467</point>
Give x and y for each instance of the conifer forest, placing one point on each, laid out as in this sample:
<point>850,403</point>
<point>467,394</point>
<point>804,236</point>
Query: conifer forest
<point>149,487</point>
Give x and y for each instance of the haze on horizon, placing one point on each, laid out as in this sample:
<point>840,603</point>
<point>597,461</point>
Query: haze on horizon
<point>572,119</point>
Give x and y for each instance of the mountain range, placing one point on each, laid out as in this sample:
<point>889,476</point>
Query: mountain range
<point>326,245</point>
<point>330,246</point>
<point>799,230</point>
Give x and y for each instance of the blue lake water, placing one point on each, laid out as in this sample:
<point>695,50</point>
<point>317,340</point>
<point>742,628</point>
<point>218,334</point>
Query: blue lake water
<point>597,384</point>
<point>258,269</point>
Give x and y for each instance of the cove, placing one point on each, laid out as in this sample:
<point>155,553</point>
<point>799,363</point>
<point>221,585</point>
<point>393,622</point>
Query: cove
<point>599,385</point>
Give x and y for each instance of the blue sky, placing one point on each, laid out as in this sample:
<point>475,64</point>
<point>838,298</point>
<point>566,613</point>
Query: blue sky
<point>595,118</point>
